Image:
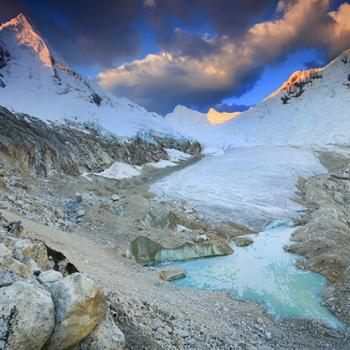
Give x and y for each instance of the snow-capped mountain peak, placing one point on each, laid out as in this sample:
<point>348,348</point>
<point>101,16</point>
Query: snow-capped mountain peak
<point>297,80</point>
<point>35,82</point>
<point>27,35</point>
<point>312,107</point>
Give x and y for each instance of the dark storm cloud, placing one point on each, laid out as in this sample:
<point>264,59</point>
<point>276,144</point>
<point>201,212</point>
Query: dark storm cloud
<point>233,18</point>
<point>84,31</point>
<point>226,18</point>
<point>91,31</point>
<point>224,65</point>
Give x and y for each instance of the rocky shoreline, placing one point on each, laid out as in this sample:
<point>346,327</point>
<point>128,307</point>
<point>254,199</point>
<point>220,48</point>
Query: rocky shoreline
<point>324,237</point>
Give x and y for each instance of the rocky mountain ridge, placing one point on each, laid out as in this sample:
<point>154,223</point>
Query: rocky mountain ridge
<point>44,149</point>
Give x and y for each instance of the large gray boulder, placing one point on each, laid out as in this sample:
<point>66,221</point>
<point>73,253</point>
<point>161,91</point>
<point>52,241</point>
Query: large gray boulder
<point>50,276</point>
<point>171,273</point>
<point>148,252</point>
<point>27,316</point>
<point>107,336</point>
<point>79,306</point>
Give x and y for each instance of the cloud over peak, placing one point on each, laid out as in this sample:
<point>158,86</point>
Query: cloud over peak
<point>203,69</point>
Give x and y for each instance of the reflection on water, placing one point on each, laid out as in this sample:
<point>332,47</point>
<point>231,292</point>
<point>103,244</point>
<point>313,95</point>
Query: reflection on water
<point>263,272</point>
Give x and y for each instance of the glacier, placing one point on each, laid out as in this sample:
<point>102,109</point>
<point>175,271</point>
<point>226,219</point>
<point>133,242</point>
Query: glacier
<point>248,185</point>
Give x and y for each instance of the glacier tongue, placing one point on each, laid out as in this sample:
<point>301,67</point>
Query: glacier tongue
<point>250,185</point>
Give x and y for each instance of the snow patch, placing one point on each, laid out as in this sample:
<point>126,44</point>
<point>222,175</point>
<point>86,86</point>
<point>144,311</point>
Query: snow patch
<point>161,164</point>
<point>176,155</point>
<point>120,170</point>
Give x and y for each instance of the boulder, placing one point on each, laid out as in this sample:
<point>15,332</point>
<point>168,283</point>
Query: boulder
<point>148,252</point>
<point>15,228</point>
<point>27,316</point>
<point>24,249</point>
<point>4,251</point>
<point>80,213</point>
<point>7,278</point>
<point>243,241</point>
<point>50,276</point>
<point>172,273</point>
<point>9,264</point>
<point>107,336</point>
<point>79,306</point>
<point>115,197</point>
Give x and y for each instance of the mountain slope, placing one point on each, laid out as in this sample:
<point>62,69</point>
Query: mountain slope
<point>33,81</point>
<point>311,108</point>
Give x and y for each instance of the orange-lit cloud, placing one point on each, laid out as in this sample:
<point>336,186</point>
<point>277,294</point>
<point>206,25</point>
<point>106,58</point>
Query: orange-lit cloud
<point>167,78</point>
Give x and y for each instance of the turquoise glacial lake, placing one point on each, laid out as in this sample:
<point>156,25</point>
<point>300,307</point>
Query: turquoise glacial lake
<point>263,272</point>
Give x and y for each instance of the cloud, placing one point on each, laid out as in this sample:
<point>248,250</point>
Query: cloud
<point>85,32</point>
<point>227,66</point>
<point>233,18</point>
<point>100,32</point>
<point>208,50</point>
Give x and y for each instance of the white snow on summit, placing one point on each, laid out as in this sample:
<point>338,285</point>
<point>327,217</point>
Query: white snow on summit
<point>33,81</point>
<point>313,107</point>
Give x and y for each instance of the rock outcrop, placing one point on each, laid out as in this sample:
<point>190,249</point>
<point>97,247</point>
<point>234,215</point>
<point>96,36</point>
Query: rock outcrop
<point>40,148</point>
<point>148,252</point>
<point>324,240</point>
<point>107,336</point>
<point>171,274</point>
<point>242,241</point>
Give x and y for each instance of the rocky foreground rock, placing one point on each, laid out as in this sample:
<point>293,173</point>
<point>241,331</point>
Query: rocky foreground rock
<point>41,308</point>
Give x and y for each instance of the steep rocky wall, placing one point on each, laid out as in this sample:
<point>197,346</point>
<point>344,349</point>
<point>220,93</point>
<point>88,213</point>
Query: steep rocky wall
<point>43,149</point>
<point>4,57</point>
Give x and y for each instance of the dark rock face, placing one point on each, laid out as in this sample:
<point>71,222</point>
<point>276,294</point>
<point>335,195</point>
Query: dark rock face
<point>43,149</point>
<point>4,57</point>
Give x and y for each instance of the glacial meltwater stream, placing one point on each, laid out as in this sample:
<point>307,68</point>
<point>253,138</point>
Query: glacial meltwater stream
<point>263,272</point>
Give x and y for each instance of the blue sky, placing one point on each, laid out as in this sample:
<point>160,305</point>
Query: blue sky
<point>272,77</point>
<point>204,52</point>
